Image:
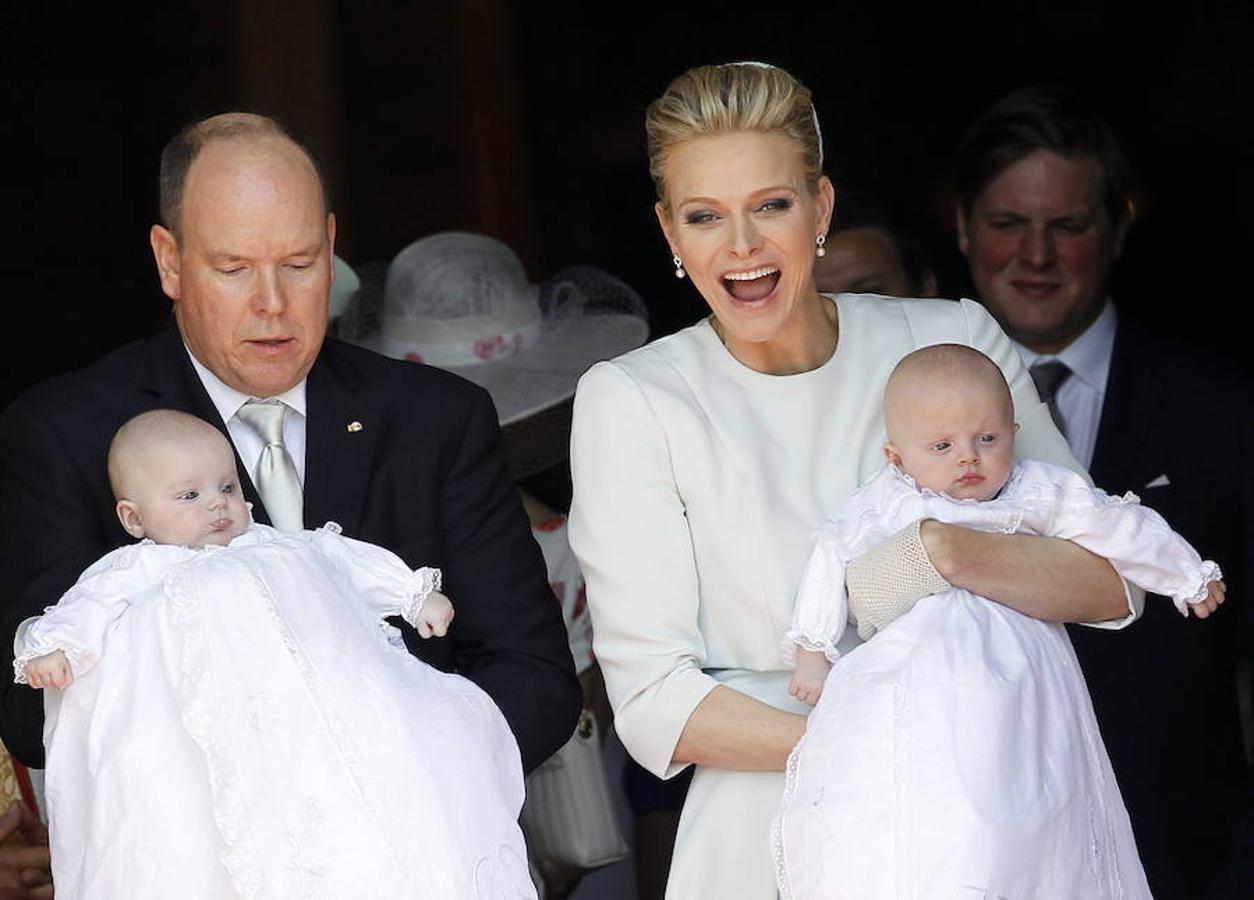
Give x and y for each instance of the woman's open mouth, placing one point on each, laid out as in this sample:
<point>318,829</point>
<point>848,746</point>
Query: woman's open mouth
<point>752,286</point>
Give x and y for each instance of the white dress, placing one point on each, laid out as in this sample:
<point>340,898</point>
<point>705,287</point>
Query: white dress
<point>699,484</point>
<point>956,754</point>
<point>244,723</point>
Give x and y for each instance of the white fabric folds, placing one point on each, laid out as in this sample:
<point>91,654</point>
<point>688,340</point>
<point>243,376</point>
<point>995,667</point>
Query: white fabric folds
<point>252,727</point>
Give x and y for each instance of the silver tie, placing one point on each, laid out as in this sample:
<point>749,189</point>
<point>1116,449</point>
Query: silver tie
<point>277,481</point>
<point>1048,377</point>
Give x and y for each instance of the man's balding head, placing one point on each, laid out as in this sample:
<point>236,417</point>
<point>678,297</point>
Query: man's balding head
<point>183,149</point>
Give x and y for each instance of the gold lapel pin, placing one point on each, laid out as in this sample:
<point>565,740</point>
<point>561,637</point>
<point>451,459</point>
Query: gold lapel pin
<point>354,426</point>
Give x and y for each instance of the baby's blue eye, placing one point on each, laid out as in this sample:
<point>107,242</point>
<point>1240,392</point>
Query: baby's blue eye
<point>189,495</point>
<point>228,488</point>
<point>941,446</point>
<point>987,438</point>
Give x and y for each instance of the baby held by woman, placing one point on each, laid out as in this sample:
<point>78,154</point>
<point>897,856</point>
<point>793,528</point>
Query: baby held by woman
<point>232,716</point>
<point>957,753</point>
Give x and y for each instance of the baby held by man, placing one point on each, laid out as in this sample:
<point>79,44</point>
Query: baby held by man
<point>230,714</point>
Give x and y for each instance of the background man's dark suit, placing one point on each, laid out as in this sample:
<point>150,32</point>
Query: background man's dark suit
<point>1163,689</point>
<point>424,476</point>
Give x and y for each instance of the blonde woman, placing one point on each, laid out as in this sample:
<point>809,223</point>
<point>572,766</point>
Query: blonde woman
<point>704,461</point>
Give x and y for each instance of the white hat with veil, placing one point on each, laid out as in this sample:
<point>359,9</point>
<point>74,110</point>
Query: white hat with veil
<point>462,302</point>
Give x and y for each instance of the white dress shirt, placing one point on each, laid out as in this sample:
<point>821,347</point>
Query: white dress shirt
<point>1081,395</point>
<point>247,441</point>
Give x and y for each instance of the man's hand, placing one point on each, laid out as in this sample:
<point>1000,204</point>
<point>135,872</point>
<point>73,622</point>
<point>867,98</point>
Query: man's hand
<point>434,616</point>
<point>1215,591</point>
<point>50,670</point>
<point>25,872</point>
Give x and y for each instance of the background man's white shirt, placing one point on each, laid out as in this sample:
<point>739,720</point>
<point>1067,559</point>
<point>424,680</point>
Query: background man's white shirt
<point>1080,396</point>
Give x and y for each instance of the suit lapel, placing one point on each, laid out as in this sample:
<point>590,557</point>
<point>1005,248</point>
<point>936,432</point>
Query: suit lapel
<point>1128,412</point>
<point>341,431</point>
<point>172,383</point>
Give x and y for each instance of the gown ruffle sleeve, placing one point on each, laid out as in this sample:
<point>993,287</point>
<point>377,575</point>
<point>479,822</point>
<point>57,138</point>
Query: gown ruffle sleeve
<point>77,624</point>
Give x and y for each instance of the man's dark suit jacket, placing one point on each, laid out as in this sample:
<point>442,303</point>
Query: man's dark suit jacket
<point>424,476</point>
<point>1164,689</point>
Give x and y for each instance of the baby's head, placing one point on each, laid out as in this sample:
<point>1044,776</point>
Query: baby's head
<point>950,421</point>
<point>174,478</point>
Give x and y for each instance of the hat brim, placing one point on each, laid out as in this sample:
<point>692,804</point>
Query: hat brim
<point>546,373</point>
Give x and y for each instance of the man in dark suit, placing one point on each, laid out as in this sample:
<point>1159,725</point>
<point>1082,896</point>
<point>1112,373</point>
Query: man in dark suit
<point>1044,212</point>
<point>398,454</point>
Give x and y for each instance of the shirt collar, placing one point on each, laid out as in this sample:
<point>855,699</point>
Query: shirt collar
<point>227,400</point>
<point>1088,356</point>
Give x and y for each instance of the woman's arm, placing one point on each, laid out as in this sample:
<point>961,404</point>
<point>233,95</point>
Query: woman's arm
<point>1046,578</point>
<point>1041,577</point>
<point>731,730</point>
<point>629,529</point>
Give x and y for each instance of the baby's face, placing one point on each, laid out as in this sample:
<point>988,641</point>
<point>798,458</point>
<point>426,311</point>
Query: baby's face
<point>954,438</point>
<point>187,493</point>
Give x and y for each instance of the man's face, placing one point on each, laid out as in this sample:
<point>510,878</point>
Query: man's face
<point>1040,246</point>
<point>251,274</point>
<point>862,261</point>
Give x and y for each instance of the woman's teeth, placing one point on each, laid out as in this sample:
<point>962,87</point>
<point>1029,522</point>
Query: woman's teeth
<point>752,275</point>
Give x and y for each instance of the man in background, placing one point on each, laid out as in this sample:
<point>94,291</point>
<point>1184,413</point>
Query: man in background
<point>1044,192</point>
<point>868,251</point>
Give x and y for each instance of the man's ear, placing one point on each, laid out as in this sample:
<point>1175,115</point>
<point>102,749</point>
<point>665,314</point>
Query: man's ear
<point>128,515</point>
<point>331,243</point>
<point>1121,234</point>
<point>891,452</point>
<point>165,250</point>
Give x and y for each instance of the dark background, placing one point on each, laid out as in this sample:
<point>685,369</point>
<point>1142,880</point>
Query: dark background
<point>524,120</point>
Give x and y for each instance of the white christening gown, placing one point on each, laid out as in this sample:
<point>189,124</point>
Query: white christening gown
<point>245,724</point>
<point>956,755</point>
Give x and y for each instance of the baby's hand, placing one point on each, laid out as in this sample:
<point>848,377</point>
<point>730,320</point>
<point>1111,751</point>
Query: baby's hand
<point>1214,596</point>
<point>434,615</point>
<point>50,670</point>
<point>807,679</point>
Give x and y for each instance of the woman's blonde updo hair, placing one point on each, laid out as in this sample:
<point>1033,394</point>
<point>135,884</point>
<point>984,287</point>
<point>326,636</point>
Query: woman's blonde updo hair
<point>747,96</point>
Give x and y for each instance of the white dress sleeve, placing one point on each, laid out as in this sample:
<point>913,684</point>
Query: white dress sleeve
<point>1136,540</point>
<point>822,609</point>
<point>629,530</point>
<point>379,578</point>
<point>78,623</point>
